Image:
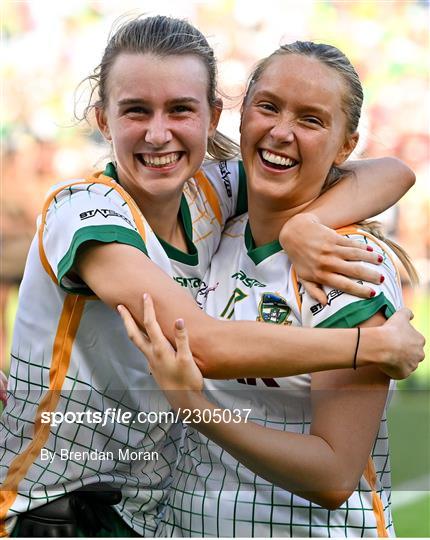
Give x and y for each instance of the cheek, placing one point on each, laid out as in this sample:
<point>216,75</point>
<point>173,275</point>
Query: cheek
<point>124,130</point>
<point>194,133</point>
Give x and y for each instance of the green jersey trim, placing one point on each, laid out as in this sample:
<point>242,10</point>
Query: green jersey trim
<point>242,195</point>
<point>358,312</point>
<point>192,257</point>
<point>258,254</point>
<point>98,233</point>
<point>110,170</point>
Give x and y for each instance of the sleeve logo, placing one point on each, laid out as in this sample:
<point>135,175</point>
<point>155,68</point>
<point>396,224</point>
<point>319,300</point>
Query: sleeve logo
<point>332,295</point>
<point>225,173</point>
<point>105,212</point>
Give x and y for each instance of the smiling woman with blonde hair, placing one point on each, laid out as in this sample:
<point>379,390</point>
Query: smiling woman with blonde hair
<point>311,458</point>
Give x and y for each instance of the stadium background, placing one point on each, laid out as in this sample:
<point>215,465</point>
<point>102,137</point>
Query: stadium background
<point>48,47</point>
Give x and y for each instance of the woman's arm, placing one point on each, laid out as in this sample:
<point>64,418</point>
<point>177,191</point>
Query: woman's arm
<point>324,466</point>
<point>120,274</point>
<point>373,186</point>
<point>318,253</point>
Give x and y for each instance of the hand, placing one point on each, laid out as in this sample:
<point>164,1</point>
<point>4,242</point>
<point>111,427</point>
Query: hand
<point>404,345</point>
<point>323,257</point>
<point>172,369</point>
<point>3,388</point>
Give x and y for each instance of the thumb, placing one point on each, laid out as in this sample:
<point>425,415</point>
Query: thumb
<point>181,339</point>
<point>403,314</point>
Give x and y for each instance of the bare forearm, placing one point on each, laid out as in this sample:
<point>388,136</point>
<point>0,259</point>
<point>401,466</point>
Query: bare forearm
<point>120,274</point>
<point>374,186</point>
<point>246,349</point>
<point>303,464</point>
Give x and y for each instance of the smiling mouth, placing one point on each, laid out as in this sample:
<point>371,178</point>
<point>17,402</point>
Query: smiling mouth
<point>159,161</point>
<point>275,161</point>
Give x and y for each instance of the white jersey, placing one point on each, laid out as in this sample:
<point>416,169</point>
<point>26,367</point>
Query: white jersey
<point>79,389</point>
<point>212,493</point>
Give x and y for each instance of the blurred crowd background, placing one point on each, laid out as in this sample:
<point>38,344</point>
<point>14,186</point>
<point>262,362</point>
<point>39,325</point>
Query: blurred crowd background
<point>49,46</point>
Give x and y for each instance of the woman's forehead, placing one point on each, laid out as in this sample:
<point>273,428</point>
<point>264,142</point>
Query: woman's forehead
<point>303,78</point>
<point>147,73</point>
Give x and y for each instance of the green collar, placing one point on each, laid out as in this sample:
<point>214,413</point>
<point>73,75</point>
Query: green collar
<point>192,257</point>
<point>110,170</point>
<point>258,254</point>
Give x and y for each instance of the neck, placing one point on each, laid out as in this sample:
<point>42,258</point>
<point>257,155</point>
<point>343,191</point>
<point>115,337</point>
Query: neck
<point>266,220</point>
<point>162,216</point>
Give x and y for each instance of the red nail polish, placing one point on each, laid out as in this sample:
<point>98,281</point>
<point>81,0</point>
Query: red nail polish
<point>382,279</point>
<point>380,258</point>
<point>369,248</point>
<point>372,293</point>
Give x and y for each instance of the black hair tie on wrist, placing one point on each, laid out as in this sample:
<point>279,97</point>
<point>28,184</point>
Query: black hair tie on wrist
<point>354,362</point>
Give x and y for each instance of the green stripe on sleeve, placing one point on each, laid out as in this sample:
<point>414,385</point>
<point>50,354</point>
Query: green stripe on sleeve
<point>242,195</point>
<point>358,312</point>
<point>98,233</point>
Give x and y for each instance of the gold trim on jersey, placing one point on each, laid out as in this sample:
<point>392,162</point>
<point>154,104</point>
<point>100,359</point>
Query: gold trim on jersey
<point>378,508</point>
<point>296,288</point>
<point>68,325</point>
<point>211,194</point>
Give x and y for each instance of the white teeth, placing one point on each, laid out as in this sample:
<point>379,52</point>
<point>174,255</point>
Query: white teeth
<point>277,160</point>
<point>160,161</point>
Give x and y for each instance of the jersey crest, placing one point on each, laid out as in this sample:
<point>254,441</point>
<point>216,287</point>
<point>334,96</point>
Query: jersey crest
<point>273,308</point>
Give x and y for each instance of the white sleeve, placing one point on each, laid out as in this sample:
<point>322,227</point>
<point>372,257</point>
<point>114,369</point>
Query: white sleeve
<point>81,214</point>
<point>346,311</point>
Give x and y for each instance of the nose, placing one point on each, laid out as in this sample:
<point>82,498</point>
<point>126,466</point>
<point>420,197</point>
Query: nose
<point>158,133</point>
<point>283,130</point>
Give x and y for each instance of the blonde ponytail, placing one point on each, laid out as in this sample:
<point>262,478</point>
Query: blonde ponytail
<point>221,147</point>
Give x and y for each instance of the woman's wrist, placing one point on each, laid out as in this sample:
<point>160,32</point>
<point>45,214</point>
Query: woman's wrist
<point>372,348</point>
<point>185,400</point>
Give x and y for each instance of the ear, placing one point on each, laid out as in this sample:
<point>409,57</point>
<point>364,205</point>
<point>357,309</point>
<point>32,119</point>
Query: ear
<point>215,115</point>
<point>102,123</point>
<point>346,149</point>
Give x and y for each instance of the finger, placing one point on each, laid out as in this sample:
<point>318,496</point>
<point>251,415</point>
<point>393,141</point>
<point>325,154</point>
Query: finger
<point>314,290</point>
<point>152,327</point>
<point>355,270</point>
<point>133,332</point>
<point>357,254</point>
<point>349,286</point>
<point>181,340</point>
<point>348,242</point>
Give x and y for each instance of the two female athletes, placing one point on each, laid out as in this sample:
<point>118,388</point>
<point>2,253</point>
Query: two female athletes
<point>102,241</point>
<point>314,460</point>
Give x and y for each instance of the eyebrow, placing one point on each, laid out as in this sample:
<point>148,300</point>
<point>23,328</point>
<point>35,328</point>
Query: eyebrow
<point>139,101</point>
<point>311,108</point>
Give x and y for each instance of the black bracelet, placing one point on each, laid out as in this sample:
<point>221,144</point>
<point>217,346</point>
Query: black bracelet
<point>354,362</point>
